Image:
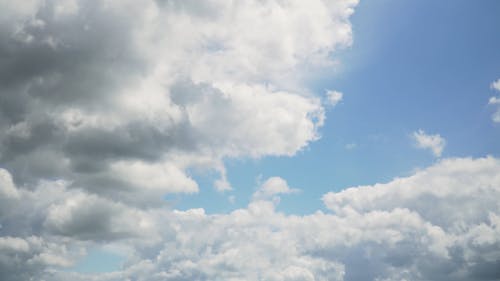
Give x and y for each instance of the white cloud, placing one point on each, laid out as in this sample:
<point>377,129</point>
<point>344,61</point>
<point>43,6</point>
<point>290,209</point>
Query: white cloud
<point>451,182</point>
<point>121,109</point>
<point>153,180</point>
<point>184,80</point>
<point>495,101</point>
<point>13,244</point>
<point>496,85</point>
<point>435,143</point>
<point>7,188</point>
<point>334,97</point>
<point>351,145</point>
<point>271,188</point>
<point>442,223</point>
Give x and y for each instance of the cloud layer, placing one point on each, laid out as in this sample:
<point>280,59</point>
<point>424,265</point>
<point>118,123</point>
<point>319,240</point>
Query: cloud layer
<point>440,223</point>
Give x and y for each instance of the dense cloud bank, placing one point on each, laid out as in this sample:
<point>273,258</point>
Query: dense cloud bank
<point>442,223</point>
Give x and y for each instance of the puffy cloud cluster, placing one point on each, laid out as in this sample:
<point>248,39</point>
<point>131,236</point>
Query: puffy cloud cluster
<point>53,225</point>
<point>451,208</point>
<point>442,223</point>
<point>105,104</point>
<point>115,93</point>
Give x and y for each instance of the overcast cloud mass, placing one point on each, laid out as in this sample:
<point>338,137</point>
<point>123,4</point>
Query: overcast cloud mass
<point>106,105</point>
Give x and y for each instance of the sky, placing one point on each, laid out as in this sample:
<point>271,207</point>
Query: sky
<point>401,74</point>
<point>249,140</point>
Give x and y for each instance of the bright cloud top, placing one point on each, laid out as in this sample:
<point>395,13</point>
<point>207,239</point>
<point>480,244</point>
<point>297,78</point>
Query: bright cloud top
<point>435,143</point>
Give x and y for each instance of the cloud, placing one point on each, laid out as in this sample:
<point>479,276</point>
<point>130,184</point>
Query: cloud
<point>52,226</point>
<point>442,223</point>
<point>54,208</point>
<point>495,101</point>
<point>102,115</point>
<point>26,258</point>
<point>271,188</point>
<point>496,85</point>
<point>183,85</point>
<point>435,143</point>
<point>350,146</point>
<point>334,97</point>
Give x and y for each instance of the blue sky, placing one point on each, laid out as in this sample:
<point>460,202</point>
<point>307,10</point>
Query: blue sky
<point>183,144</point>
<point>413,65</point>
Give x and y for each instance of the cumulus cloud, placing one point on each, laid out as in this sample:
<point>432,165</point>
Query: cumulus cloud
<point>435,143</point>
<point>271,188</point>
<point>442,223</point>
<point>52,226</point>
<point>101,115</point>
<point>495,101</point>
<point>184,84</point>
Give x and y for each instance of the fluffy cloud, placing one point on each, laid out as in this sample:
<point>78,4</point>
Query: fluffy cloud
<point>184,84</point>
<point>52,225</point>
<point>435,143</point>
<point>271,188</point>
<point>105,105</point>
<point>495,101</point>
<point>442,223</point>
<point>26,258</point>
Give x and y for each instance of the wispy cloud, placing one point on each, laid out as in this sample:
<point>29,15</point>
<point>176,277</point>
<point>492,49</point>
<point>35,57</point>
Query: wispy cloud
<point>334,97</point>
<point>435,142</point>
<point>495,101</point>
